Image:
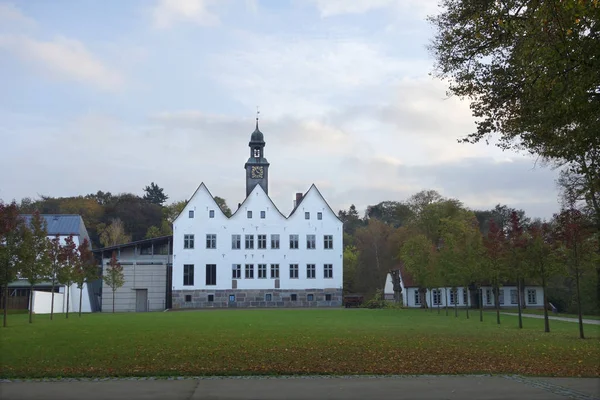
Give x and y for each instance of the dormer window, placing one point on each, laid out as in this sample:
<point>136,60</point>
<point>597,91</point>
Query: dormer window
<point>211,214</point>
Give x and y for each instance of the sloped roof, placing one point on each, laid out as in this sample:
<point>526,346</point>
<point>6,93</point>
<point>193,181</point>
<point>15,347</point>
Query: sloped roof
<point>59,224</point>
<point>319,193</point>
<point>257,187</point>
<point>406,278</point>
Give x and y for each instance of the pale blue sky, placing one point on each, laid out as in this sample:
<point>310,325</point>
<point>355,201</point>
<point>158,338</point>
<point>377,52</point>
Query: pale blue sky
<point>110,95</point>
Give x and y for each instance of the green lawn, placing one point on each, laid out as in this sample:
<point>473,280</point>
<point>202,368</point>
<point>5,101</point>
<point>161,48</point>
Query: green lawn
<point>339,341</point>
<point>538,311</point>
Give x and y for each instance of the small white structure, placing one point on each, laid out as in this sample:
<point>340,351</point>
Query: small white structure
<point>257,257</point>
<point>462,296</point>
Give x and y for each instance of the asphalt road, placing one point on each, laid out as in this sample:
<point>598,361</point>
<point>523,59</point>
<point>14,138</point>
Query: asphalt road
<point>342,388</point>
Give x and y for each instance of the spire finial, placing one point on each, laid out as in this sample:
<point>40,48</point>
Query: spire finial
<point>257,112</point>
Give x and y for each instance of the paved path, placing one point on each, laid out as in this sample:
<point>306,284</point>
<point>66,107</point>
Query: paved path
<point>566,319</point>
<point>482,387</point>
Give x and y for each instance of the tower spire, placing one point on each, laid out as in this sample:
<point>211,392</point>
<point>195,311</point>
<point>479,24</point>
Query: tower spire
<point>257,112</point>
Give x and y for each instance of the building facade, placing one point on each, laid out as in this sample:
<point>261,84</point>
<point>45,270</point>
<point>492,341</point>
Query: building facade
<point>258,257</point>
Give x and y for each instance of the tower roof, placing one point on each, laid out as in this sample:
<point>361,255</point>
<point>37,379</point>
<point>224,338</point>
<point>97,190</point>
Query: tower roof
<point>257,136</point>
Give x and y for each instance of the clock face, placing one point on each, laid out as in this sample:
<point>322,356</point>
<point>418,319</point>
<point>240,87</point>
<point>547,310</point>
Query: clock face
<point>257,172</point>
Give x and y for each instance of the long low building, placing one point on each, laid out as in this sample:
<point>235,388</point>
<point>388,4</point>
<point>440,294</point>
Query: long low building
<point>147,268</point>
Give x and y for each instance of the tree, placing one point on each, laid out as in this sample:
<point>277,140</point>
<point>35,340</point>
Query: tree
<point>113,234</point>
<point>10,243</point>
<point>172,211</point>
<point>84,268</point>
<point>155,194</point>
<point>35,262</point>
<point>54,254</point>
<point>530,69</point>
<point>393,213</point>
<point>418,256</point>
<point>496,257</point>
<point>67,262</point>
<point>516,248</point>
<point>223,206</point>
<point>577,249</point>
<point>351,220</point>
<point>153,232</point>
<point>541,255</point>
<point>114,276</point>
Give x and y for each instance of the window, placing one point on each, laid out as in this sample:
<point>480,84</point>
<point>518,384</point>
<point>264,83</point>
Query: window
<point>307,215</point>
<point>232,298</point>
<point>294,271</point>
<point>263,214</point>
<point>453,296</point>
<point>465,296</point>
<point>319,215</point>
<point>437,297</point>
<point>211,298</point>
<point>191,213</point>
<point>310,271</point>
<point>327,297</point>
<point>262,241</point>
<point>274,271</point>
<point>211,214</point>
<point>328,271</point>
<point>249,214</point>
<point>249,271</point>
<point>249,241</point>
<point>146,250</point>
<point>311,241</point>
<point>294,297</point>
<point>488,296</point>
<point>188,298</point>
<point>328,241</point>
<point>236,241</point>
<point>531,296</point>
<point>211,274</point>
<point>188,275</point>
<point>262,271</point>
<point>293,241</point>
<point>310,297</point>
<point>513,296</point>
<point>236,271</point>
<point>501,296</point>
<point>417,297</point>
<point>211,241</point>
<point>188,241</point>
<point>275,241</point>
<point>268,297</point>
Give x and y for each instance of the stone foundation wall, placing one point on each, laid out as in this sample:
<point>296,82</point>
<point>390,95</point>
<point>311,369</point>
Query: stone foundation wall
<point>256,298</point>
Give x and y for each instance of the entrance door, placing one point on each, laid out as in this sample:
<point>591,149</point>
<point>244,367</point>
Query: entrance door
<point>141,300</point>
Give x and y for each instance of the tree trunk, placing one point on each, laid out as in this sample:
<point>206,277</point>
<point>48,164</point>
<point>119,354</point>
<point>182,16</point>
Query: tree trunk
<point>456,302</point>
<point>519,303</point>
<point>5,304</point>
<point>113,301</point>
<point>468,298</point>
<point>439,293</point>
<point>545,301</point>
<point>52,303</point>
<point>581,336</point>
<point>431,298</point>
<point>31,304</point>
<point>446,299</point>
<point>80,297</point>
<point>497,301</point>
<point>68,290</point>
<point>480,305</point>
<point>523,302</point>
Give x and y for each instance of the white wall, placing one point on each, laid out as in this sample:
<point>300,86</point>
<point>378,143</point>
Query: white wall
<point>273,223</point>
<point>42,302</point>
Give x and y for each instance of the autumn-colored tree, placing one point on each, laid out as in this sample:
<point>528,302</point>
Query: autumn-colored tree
<point>419,257</point>
<point>516,259</point>
<point>496,257</point>
<point>35,261</point>
<point>67,265</point>
<point>113,234</point>
<point>578,244</point>
<point>84,268</point>
<point>10,243</point>
<point>54,254</point>
<point>114,277</point>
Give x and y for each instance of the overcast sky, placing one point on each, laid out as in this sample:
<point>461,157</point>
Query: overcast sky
<point>111,95</point>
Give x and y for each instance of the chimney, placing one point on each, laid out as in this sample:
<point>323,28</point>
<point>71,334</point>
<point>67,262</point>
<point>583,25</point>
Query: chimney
<point>298,199</point>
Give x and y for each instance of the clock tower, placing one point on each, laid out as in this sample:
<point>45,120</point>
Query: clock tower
<point>257,166</point>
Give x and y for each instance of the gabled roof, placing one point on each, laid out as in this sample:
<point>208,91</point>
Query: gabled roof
<point>322,198</point>
<point>202,185</point>
<point>59,224</point>
<point>258,187</point>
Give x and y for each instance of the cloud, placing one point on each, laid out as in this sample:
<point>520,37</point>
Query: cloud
<point>329,8</point>
<point>167,12</point>
<point>12,17</point>
<point>63,58</point>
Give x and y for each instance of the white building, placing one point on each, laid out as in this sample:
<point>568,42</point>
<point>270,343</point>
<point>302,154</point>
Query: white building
<point>257,257</point>
<point>533,295</point>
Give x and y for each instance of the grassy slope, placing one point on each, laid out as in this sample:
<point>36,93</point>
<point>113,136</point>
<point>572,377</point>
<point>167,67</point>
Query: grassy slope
<point>292,342</point>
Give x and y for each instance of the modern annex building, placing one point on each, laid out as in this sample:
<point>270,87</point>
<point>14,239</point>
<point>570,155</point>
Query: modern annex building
<point>258,257</point>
